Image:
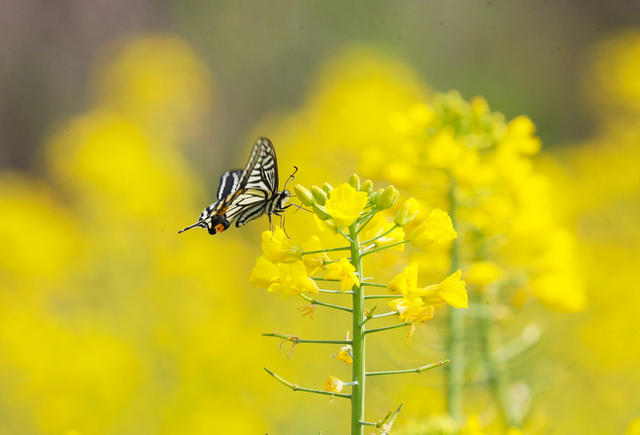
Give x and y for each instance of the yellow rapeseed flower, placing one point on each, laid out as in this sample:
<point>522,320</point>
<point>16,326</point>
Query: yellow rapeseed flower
<point>333,384</point>
<point>277,247</point>
<point>438,228</point>
<point>451,291</point>
<point>313,262</point>
<point>345,205</point>
<point>344,271</point>
<point>482,273</point>
<point>412,309</point>
<point>285,278</point>
<point>379,225</point>
<point>345,354</point>
<point>405,282</point>
<point>264,273</point>
<point>408,212</point>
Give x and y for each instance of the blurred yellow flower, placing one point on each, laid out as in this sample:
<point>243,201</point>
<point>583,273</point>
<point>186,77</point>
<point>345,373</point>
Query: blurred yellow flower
<point>333,384</point>
<point>437,228</point>
<point>634,427</point>
<point>345,204</point>
<point>482,273</point>
<point>451,291</point>
<point>277,247</point>
<point>344,271</point>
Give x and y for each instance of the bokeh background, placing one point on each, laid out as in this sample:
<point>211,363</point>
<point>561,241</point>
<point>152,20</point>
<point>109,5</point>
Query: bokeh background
<point>116,119</point>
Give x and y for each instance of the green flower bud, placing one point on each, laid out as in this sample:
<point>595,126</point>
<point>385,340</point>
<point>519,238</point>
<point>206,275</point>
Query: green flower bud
<point>367,186</point>
<point>354,181</point>
<point>375,196</point>
<point>327,187</point>
<point>321,212</point>
<point>388,197</point>
<point>319,195</point>
<point>303,194</point>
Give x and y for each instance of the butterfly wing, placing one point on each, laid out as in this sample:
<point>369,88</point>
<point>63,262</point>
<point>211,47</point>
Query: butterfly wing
<point>258,183</point>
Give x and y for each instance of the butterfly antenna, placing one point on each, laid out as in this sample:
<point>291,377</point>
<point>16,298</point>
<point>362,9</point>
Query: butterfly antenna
<point>291,177</point>
<point>197,224</point>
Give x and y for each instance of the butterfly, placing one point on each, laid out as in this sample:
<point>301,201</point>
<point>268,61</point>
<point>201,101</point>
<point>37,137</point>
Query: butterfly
<point>246,194</point>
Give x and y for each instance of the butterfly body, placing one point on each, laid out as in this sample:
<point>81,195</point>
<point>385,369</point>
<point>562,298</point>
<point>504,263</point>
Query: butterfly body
<point>246,194</point>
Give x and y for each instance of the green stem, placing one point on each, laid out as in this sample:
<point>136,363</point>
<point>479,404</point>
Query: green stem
<point>416,370</point>
<point>373,284</point>
<point>324,304</point>
<point>320,251</point>
<point>335,292</point>
<point>295,387</point>
<point>358,345</point>
<point>295,339</point>
<point>455,373</point>
<point>386,328</point>
<point>381,248</point>
<point>497,376</point>
<point>382,297</point>
<point>380,236</point>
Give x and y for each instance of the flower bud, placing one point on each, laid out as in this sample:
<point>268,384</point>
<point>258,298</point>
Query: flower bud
<point>319,195</point>
<point>407,213</point>
<point>375,196</point>
<point>367,186</point>
<point>388,197</point>
<point>303,194</point>
<point>321,212</point>
<point>327,187</point>
<point>354,181</point>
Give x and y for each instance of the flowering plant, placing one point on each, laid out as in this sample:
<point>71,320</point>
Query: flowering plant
<point>357,213</point>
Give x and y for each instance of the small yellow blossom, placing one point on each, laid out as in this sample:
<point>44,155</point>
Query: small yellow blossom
<point>482,273</point>
<point>333,384</point>
<point>264,273</point>
<point>438,228</point>
<point>378,226</point>
<point>412,309</point>
<point>345,204</point>
<point>451,290</point>
<point>285,278</point>
<point>293,280</point>
<point>277,247</point>
<point>345,354</point>
<point>344,271</point>
<point>406,282</point>
<point>313,262</point>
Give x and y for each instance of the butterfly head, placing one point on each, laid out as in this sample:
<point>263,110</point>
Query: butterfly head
<point>282,199</point>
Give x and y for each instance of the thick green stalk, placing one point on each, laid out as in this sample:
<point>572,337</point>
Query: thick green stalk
<point>358,341</point>
<point>455,372</point>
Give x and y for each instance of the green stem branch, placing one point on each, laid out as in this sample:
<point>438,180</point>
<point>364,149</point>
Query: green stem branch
<point>358,345</point>
<point>324,304</point>
<point>416,370</point>
<point>386,328</point>
<point>295,387</point>
<point>381,248</point>
<point>296,339</point>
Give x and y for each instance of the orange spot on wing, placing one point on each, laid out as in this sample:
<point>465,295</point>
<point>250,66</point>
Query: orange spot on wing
<point>219,228</point>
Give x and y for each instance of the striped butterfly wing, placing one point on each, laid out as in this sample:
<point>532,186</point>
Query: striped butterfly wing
<point>256,187</point>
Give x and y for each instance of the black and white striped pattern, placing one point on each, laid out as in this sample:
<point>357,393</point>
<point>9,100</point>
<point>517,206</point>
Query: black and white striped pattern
<point>246,194</point>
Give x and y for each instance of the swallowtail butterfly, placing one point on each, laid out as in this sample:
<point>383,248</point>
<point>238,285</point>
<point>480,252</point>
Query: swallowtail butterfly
<point>246,194</point>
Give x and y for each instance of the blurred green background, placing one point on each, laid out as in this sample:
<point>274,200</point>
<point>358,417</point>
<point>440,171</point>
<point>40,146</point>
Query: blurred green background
<point>116,119</point>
